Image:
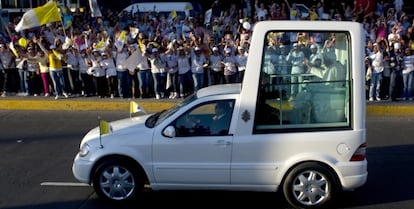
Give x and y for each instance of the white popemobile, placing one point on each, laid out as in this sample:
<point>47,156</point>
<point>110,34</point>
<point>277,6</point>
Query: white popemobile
<point>249,136</point>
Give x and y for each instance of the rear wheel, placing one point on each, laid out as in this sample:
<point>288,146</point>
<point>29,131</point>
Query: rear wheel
<point>117,180</point>
<point>310,185</point>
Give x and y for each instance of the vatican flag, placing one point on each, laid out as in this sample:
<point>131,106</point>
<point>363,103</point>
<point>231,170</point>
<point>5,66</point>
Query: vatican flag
<point>135,108</point>
<point>104,127</point>
<point>39,16</point>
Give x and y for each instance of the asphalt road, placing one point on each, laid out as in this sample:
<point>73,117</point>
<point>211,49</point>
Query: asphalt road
<point>37,149</point>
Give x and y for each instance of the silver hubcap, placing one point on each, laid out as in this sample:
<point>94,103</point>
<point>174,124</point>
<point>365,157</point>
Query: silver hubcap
<point>117,183</point>
<point>310,188</point>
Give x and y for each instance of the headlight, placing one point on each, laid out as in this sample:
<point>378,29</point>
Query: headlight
<point>84,150</point>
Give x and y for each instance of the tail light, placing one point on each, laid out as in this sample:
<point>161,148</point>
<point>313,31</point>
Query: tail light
<point>360,153</point>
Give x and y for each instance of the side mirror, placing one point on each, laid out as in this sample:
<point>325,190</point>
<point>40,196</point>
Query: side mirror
<point>169,132</point>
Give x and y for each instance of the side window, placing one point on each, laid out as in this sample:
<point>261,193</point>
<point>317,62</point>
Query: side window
<point>305,81</point>
<point>207,119</point>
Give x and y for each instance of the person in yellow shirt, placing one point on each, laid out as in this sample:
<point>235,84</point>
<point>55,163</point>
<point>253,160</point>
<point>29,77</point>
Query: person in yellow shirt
<point>56,71</point>
<point>313,14</point>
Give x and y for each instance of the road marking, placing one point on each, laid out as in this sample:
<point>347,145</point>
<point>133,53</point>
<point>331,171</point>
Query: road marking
<point>64,184</point>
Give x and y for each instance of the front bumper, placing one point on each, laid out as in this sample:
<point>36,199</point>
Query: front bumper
<point>81,170</point>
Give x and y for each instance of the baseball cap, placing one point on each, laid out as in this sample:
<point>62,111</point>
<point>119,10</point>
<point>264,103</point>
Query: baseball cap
<point>228,50</point>
<point>215,49</point>
<point>154,50</point>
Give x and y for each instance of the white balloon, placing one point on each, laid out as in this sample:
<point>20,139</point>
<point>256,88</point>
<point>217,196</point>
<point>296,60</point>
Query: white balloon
<point>246,25</point>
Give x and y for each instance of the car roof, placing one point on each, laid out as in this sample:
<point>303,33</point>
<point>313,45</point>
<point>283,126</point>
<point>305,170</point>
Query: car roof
<point>219,89</point>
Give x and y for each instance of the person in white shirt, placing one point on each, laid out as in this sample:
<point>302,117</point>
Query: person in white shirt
<point>186,29</point>
<point>377,67</point>
<point>72,61</point>
<point>8,66</point>
<point>408,74</point>
<point>172,68</point>
<point>296,59</point>
<point>124,80</point>
<point>99,75</point>
<point>261,11</point>
<point>241,61</point>
<point>159,74</point>
<point>111,75</point>
<point>86,77</point>
<point>144,72</point>
<point>184,72</point>
<point>216,67</point>
<point>33,73</point>
<point>198,62</point>
<point>230,68</point>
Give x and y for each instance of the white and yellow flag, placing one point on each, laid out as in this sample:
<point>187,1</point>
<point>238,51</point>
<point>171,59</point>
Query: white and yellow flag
<point>120,41</point>
<point>135,108</point>
<point>39,16</point>
<point>104,127</point>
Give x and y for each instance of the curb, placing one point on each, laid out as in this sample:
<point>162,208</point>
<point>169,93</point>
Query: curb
<point>152,105</point>
<point>390,110</point>
<point>77,105</point>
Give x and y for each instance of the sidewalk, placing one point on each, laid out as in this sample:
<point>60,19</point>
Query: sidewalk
<point>375,108</point>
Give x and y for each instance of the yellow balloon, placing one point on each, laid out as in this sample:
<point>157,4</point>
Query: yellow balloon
<point>23,42</point>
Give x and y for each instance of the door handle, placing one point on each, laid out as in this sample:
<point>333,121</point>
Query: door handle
<point>223,142</point>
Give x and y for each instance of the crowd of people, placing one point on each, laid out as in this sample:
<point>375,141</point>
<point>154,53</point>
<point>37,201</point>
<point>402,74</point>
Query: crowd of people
<point>173,56</point>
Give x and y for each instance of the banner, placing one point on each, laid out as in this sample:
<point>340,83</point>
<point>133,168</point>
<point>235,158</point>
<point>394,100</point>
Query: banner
<point>134,59</point>
<point>207,17</point>
<point>39,16</point>
<point>95,10</point>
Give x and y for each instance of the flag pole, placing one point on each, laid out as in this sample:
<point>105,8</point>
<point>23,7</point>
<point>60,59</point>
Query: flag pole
<point>63,25</point>
<point>100,135</point>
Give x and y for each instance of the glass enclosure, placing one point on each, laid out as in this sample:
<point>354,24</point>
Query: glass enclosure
<point>305,82</point>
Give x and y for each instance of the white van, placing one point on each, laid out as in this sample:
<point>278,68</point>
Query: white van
<point>182,9</point>
<point>248,136</point>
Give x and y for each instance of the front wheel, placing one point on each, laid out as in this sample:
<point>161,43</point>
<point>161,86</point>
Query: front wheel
<point>117,181</point>
<point>309,185</point>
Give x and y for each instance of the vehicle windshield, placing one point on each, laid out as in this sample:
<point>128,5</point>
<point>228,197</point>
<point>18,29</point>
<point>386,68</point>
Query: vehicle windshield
<point>159,117</point>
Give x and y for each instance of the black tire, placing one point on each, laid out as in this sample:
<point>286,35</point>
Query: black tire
<point>310,185</point>
<point>117,181</point>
